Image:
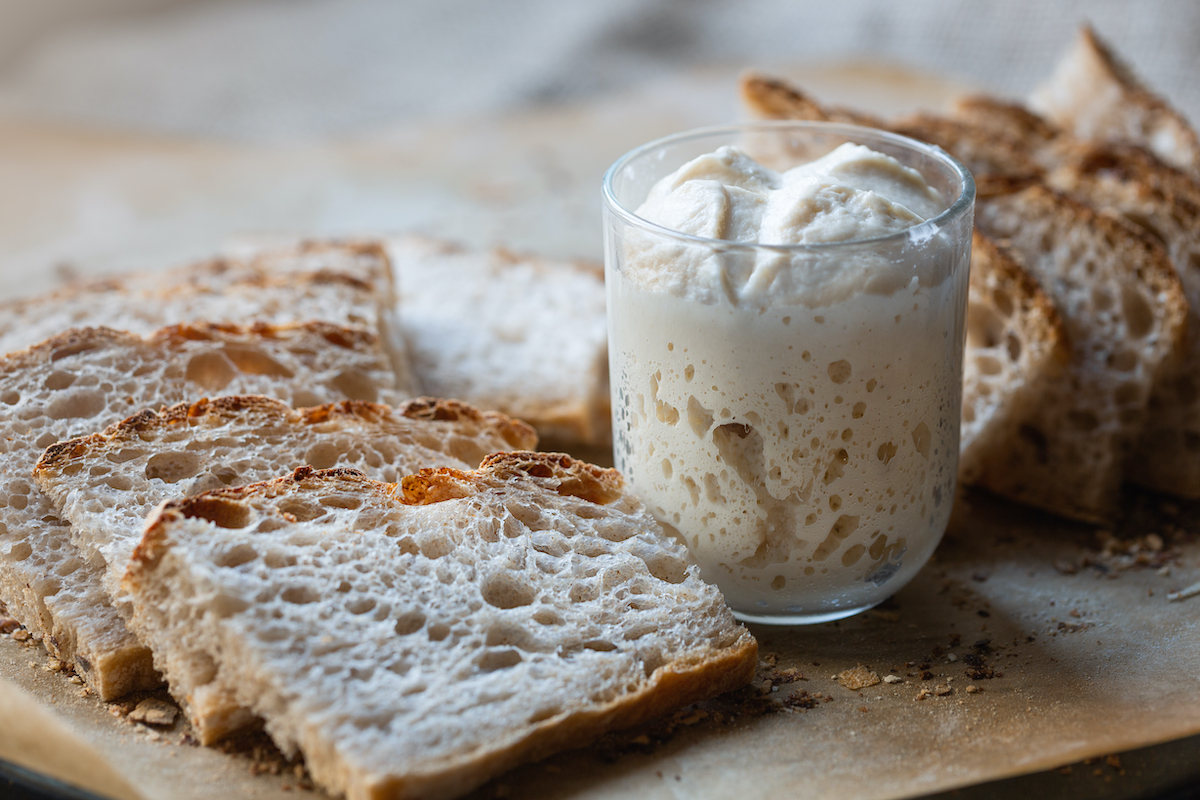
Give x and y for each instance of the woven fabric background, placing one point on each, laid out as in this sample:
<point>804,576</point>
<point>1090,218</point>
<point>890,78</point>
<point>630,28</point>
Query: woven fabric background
<point>288,70</point>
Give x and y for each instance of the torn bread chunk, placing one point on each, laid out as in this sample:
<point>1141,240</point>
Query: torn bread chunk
<point>1124,310</point>
<point>518,334</point>
<point>1093,95</point>
<point>346,283</point>
<point>88,378</point>
<point>106,484</point>
<point>414,640</point>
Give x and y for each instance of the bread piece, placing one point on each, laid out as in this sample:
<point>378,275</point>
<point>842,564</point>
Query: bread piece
<point>346,283</point>
<point>1094,95</point>
<point>106,484</point>
<point>1124,310</point>
<point>505,613</point>
<point>1165,203</point>
<point>1017,351</point>
<point>521,335</point>
<point>771,98</point>
<point>85,379</point>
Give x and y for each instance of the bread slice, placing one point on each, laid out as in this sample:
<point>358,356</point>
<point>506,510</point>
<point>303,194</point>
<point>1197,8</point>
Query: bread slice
<point>518,334</point>
<point>1093,95</point>
<point>1124,310</point>
<point>414,640</point>
<point>85,379</point>
<point>1017,352</point>
<point>1165,203</point>
<point>106,484</point>
<point>346,283</point>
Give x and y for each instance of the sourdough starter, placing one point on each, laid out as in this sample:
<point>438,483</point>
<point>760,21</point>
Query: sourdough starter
<point>791,415</point>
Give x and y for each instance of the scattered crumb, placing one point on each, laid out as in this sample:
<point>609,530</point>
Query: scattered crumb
<point>942,690</point>
<point>21,635</point>
<point>153,711</point>
<point>951,658</point>
<point>973,689</point>
<point>858,678</point>
<point>1184,594</point>
<point>892,679</point>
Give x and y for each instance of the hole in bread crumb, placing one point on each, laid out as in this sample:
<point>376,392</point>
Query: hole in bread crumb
<point>667,568</point>
<point>59,380</point>
<point>219,511</point>
<point>299,509</point>
<point>300,595</point>
<point>407,546</point>
<point>20,551</point>
<point>356,386</point>
<point>172,467</point>
<point>360,605</point>
<point>493,660</point>
<point>544,616</point>
<point>1139,315</point>
<point>10,398</point>
<point>438,631</point>
<point>410,622</point>
<point>984,327</point>
<point>322,456</point>
<point>600,646</point>
<point>1123,360</point>
<point>503,590</point>
<point>236,556</point>
<point>212,371</point>
<point>79,404</point>
<point>988,365</point>
<point>254,362</point>
<point>583,592</point>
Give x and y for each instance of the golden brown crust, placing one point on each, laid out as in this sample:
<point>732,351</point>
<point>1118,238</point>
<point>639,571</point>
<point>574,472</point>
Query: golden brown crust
<point>771,98</point>
<point>1013,121</point>
<point>520,435</point>
<point>569,476</point>
<point>690,679</point>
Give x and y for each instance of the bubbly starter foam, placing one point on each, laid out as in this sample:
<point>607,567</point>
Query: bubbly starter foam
<point>793,419</point>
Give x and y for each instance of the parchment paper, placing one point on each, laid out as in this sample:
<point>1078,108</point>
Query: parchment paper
<point>1075,649</point>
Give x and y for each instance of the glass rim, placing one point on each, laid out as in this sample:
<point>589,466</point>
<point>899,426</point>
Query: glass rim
<point>919,233</point>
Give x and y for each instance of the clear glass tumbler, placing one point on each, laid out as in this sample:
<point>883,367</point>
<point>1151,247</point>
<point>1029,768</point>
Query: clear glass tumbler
<point>801,439</point>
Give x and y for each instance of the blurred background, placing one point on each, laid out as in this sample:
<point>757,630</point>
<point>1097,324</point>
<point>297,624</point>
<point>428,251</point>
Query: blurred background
<point>288,70</point>
<point>143,133</point>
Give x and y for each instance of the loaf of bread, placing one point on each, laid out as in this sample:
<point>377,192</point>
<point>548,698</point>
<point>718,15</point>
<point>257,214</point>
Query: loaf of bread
<point>414,640</point>
<point>521,335</point>
<point>86,379</point>
<point>1093,95</point>
<point>106,484</point>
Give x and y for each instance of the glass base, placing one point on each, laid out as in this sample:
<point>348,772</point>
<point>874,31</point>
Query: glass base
<point>786,617</point>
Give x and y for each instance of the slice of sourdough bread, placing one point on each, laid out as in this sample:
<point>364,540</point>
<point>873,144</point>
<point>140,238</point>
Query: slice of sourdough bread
<point>522,335</point>
<point>347,283</point>
<point>415,640</point>
<point>1017,352</point>
<point>1094,95</point>
<point>1124,310</point>
<point>1164,202</point>
<point>106,484</point>
<point>85,379</point>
